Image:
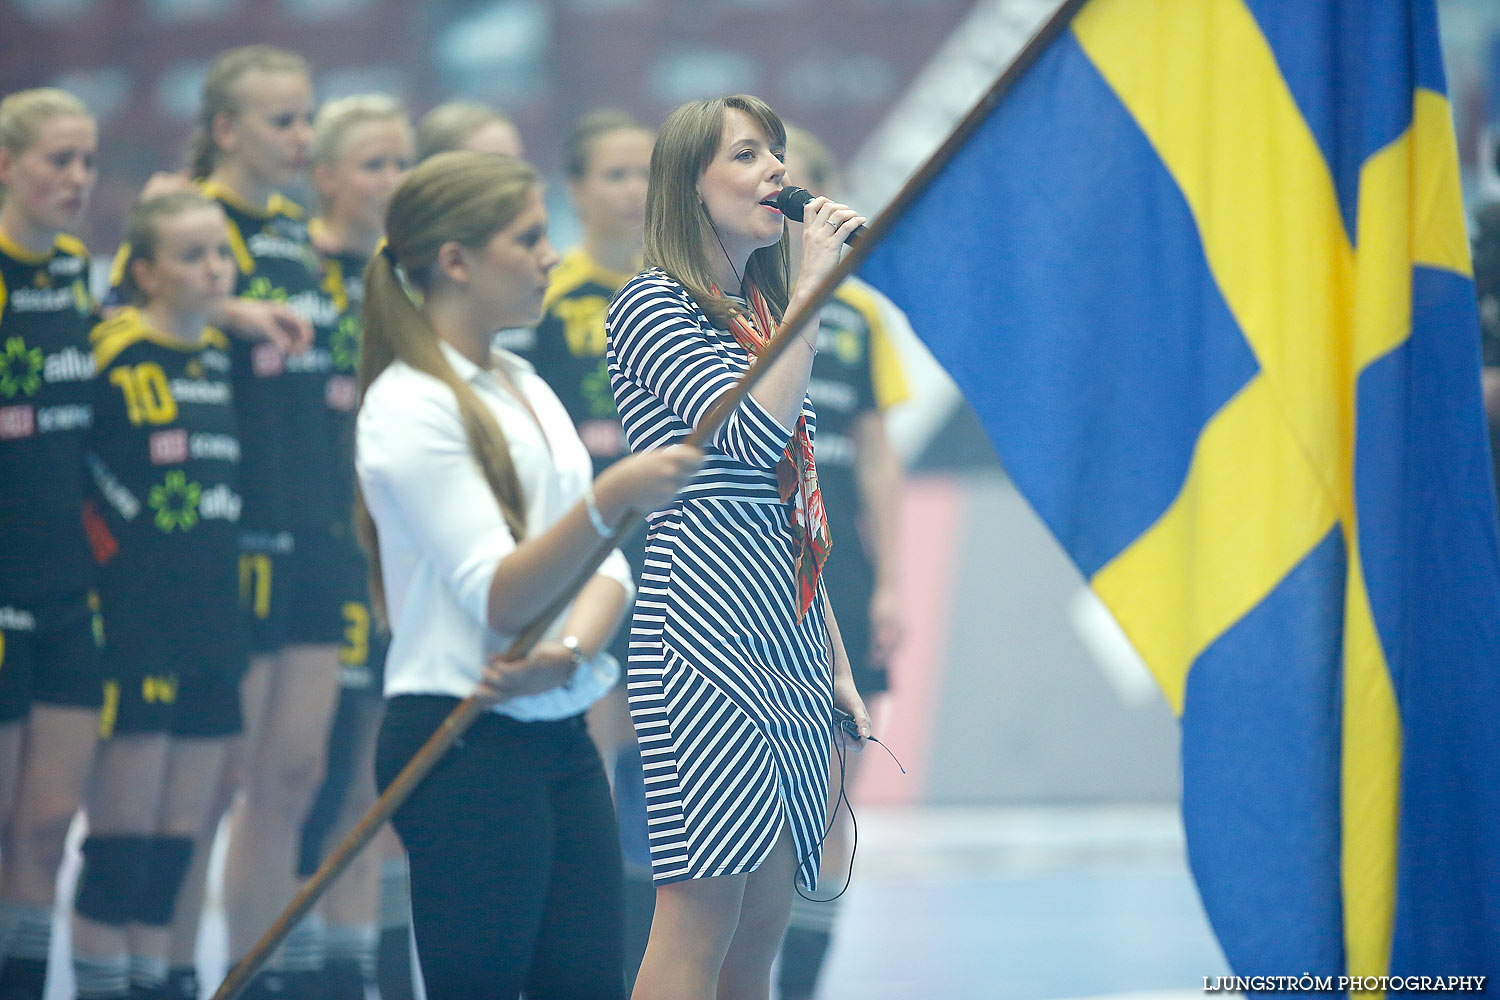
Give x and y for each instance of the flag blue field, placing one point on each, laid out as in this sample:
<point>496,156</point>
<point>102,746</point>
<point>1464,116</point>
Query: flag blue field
<point>1204,276</point>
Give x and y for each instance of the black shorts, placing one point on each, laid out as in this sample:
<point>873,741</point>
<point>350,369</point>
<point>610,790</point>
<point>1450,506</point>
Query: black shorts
<point>296,589</point>
<point>191,706</point>
<point>49,653</point>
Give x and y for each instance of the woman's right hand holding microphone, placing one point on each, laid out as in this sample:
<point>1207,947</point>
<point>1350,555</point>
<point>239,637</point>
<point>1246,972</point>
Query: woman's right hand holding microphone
<point>825,226</point>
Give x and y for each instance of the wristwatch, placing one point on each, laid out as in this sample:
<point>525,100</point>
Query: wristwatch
<point>570,643</point>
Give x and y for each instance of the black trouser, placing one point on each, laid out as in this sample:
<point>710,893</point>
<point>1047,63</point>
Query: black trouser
<point>515,859</point>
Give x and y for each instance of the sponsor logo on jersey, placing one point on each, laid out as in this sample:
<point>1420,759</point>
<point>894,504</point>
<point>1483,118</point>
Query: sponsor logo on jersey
<point>316,360</point>
<point>220,503</point>
<point>518,339</point>
<point>267,360</point>
<point>168,447</point>
<point>316,308</point>
<point>187,390</point>
<point>16,620</point>
<point>832,396</point>
<point>65,267</point>
<point>597,392</point>
<point>216,447</point>
<point>341,393</point>
<point>214,359</point>
<point>25,300</point>
<point>264,245</point>
<point>175,501</point>
<point>344,344</point>
<point>603,438</point>
<point>278,543</point>
<point>17,422</point>
<point>72,417</point>
<point>69,365</point>
<point>119,497</point>
<point>835,450</point>
<point>20,368</point>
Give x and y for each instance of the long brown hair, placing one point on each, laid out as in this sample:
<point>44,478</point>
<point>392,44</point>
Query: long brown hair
<point>679,231</point>
<point>457,197</point>
<point>220,96</point>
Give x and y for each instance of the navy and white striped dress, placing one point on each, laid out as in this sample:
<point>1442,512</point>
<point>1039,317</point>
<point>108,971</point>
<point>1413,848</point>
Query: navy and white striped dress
<point>730,695</point>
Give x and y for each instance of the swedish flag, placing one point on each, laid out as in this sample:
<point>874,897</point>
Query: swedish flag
<point>1204,276</point>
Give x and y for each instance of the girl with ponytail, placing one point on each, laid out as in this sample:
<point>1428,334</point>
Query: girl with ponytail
<point>478,504</point>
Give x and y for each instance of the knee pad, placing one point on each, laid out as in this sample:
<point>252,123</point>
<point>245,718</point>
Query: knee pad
<point>114,872</point>
<point>166,867</point>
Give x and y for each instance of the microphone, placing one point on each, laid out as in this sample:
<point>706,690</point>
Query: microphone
<point>792,200</point>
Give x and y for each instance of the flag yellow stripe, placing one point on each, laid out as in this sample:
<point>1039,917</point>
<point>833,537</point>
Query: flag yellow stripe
<point>1220,548</point>
<point>1371,783</point>
<point>1440,239</point>
<point>1410,211</point>
<point>1202,83</point>
<point>1197,75</point>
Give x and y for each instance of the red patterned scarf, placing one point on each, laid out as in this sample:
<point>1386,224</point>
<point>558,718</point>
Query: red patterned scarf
<point>796,475</point>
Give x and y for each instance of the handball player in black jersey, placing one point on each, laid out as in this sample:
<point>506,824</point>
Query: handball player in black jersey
<point>362,148</point>
<point>254,136</point>
<point>51,683</point>
<point>163,522</point>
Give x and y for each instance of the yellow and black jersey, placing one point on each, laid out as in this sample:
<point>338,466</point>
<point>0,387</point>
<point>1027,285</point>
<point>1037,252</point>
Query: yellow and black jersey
<point>569,351</point>
<point>344,283</point>
<point>282,400</point>
<point>855,372</point>
<point>164,459</point>
<point>45,412</point>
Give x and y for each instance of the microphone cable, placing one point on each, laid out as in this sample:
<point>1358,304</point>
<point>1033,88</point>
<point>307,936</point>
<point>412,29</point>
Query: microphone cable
<point>842,800</point>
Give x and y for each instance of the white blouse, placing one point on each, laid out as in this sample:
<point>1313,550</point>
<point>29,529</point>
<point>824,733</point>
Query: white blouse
<point>442,534</point>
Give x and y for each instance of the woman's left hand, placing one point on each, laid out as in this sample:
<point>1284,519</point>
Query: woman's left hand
<point>549,665</point>
<point>846,697</point>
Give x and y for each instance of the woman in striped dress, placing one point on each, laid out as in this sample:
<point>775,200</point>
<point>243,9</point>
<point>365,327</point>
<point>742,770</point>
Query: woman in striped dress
<point>736,661</point>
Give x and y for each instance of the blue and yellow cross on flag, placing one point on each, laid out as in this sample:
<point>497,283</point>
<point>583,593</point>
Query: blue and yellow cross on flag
<point>1203,274</point>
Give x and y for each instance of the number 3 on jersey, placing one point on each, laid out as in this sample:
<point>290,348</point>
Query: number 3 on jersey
<point>356,648</point>
<point>148,397</point>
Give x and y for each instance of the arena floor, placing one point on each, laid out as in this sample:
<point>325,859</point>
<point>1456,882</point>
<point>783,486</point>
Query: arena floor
<point>989,904</point>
